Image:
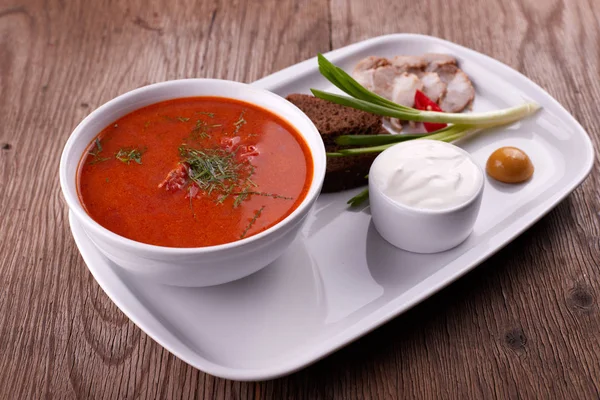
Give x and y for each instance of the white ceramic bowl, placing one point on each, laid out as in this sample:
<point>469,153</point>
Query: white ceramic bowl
<point>203,266</point>
<point>423,230</point>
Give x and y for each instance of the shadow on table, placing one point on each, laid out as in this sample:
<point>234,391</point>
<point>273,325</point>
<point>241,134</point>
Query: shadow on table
<point>438,329</point>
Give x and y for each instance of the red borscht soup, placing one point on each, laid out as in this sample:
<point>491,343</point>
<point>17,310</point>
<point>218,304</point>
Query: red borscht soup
<point>194,172</point>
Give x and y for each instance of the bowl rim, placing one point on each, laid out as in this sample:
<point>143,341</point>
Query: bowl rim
<point>318,157</point>
<point>426,211</point>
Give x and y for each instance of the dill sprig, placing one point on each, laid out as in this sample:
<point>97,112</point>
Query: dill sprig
<point>128,154</point>
<point>201,129</point>
<point>240,197</point>
<point>265,194</point>
<point>252,221</point>
<point>211,115</point>
<point>212,169</point>
<point>241,121</point>
<point>225,194</point>
<point>219,171</point>
<point>95,153</point>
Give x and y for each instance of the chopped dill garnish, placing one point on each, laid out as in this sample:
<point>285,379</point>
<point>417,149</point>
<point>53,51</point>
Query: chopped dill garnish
<point>200,135</point>
<point>225,194</point>
<point>107,180</point>
<point>241,121</point>
<point>219,171</point>
<point>95,153</point>
<point>147,124</point>
<point>240,197</point>
<point>252,221</point>
<point>250,181</point>
<point>265,194</point>
<point>201,129</point>
<point>97,160</point>
<point>128,154</point>
<point>213,169</point>
<point>183,119</point>
<point>97,148</point>
<point>212,115</point>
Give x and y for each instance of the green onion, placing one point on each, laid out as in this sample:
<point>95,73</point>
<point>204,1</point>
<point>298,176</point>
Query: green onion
<point>359,198</point>
<point>374,140</point>
<point>508,115</point>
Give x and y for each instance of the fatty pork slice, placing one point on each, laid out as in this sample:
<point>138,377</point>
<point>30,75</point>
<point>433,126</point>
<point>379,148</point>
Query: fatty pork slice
<point>433,86</point>
<point>437,60</point>
<point>405,87</point>
<point>409,64</point>
<point>363,72</point>
<point>459,89</point>
<point>459,93</point>
<point>376,74</point>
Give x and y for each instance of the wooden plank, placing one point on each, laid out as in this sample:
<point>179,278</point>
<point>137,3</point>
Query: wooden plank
<point>523,324</point>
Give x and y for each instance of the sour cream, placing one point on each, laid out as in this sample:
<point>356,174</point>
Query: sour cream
<point>426,174</point>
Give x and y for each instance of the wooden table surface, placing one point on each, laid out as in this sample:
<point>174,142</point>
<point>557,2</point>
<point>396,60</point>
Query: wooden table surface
<point>525,324</point>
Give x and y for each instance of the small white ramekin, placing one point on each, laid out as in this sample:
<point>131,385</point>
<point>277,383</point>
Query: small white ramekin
<point>203,266</point>
<point>422,230</point>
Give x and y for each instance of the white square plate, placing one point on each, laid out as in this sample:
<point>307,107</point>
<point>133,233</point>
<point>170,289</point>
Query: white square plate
<point>340,279</point>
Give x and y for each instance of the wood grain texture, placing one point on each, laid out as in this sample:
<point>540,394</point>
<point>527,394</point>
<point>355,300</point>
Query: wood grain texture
<point>523,325</point>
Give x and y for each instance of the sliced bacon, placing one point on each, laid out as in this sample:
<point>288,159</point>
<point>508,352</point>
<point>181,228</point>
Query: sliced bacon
<point>433,86</point>
<point>459,94</point>
<point>376,74</point>
<point>247,152</point>
<point>437,60</point>
<point>230,142</point>
<point>410,64</point>
<point>436,74</point>
<point>176,179</point>
<point>405,86</point>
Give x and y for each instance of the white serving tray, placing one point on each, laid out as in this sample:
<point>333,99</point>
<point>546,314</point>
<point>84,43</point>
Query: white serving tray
<point>340,279</point>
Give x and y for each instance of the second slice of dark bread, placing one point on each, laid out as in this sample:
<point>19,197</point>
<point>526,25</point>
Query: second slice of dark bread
<point>333,120</point>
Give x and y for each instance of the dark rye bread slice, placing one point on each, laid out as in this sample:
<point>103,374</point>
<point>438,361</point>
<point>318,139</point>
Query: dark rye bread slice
<point>333,120</point>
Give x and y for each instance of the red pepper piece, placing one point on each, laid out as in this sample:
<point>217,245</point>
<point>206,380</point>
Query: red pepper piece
<point>424,103</point>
